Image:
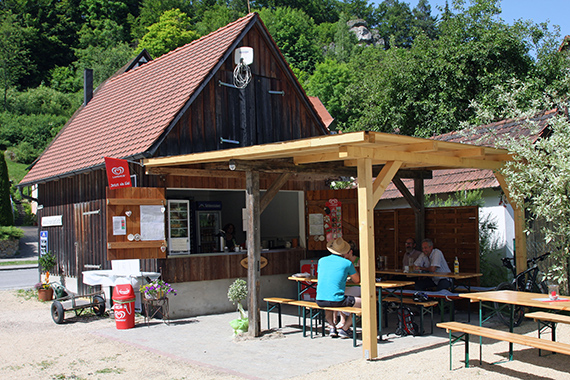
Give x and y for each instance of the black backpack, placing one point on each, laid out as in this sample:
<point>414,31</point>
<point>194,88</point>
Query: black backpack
<point>406,324</point>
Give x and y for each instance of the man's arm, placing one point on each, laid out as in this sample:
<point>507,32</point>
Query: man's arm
<point>355,278</point>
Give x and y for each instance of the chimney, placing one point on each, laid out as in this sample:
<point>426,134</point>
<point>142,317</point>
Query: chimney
<point>87,86</point>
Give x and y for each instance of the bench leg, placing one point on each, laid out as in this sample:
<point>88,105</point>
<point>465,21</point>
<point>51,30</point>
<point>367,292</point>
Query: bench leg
<point>542,326</point>
<point>353,330</point>
<point>269,309</point>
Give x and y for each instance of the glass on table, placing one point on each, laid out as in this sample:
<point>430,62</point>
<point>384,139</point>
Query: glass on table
<point>553,292</point>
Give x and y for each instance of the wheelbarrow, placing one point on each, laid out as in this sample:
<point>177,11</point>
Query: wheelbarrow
<point>66,300</point>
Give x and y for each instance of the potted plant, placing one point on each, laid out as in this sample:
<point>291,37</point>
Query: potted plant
<point>46,262</point>
<point>157,289</point>
<point>237,293</point>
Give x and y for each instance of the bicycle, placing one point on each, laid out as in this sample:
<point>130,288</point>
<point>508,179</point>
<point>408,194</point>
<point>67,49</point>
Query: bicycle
<point>530,280</point>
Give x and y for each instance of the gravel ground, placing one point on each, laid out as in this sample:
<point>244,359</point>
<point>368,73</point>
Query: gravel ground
<point>33,347</point>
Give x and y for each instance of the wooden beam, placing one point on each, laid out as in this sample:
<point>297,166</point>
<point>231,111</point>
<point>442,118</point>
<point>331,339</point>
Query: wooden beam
<point>406,194</point>
<point>273,190</point>
<point>253,253</point>
<point>383,180</point>
<point>419,159</point>
<point>367,261</point>
<point>520,236</point>
<point>187,172</point>
<point>421,212</point>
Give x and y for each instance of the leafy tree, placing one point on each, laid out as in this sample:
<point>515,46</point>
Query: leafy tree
<point>150,12</point>
<point>319,10</point>
<point>395,22</point>
<point>344,40</point>
<point>214,18</point>
<point>423,20</point>
<point>539,180</point>
<point>14,55</point>
<point>172,31</point>
<point>294,33</point>
<point>53,25</point>
<point>328,83</point>
<point>6,214</point>
<point>427,89</point>
<point>361,9</point>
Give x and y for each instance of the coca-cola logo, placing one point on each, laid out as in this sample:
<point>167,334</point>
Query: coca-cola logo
<point>123,291</point>
<point>117,170</point>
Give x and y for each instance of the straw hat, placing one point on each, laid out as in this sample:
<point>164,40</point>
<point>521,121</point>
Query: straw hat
<point>338,246</point>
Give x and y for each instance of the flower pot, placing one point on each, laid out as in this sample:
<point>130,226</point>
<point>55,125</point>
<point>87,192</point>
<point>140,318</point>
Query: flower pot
<point>45,294</point>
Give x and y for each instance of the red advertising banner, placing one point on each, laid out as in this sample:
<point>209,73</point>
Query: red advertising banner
<point>333,219</point>
<point>118,174</point>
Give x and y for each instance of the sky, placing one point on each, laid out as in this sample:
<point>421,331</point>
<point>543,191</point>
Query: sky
<point>557,12</point>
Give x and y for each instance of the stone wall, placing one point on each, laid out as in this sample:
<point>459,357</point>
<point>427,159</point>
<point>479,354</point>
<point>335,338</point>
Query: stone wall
<point>9,248</point>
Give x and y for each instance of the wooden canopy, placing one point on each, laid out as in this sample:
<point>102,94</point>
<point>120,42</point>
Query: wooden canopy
<point>374,158</point>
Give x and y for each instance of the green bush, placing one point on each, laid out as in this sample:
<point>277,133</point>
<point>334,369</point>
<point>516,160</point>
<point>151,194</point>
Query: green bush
<point>10,232</point>
<point>47,261</point>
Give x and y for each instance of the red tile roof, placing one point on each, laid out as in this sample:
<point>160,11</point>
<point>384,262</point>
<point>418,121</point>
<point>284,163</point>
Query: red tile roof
<point>450,181</point>
<point>131,111</point>
<point>321,110</point>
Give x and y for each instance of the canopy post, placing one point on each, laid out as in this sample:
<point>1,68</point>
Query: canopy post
<point>367,262</point>
<point>520,236</point>
<point>253,252</point>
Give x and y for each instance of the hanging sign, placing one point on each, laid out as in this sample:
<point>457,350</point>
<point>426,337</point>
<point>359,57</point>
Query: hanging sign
<point>118,174</point>
<point>332,221</point>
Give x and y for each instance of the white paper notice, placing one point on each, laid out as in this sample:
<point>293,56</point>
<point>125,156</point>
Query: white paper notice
<point>316,224</point>
<point>152,223</point>
<point>119,225</point>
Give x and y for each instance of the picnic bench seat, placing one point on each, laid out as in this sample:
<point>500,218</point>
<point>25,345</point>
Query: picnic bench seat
<point>445,299</point>
<point>309,307</point>
<point>425,308</point>
<point>485,332</point>
<point>547,321</point>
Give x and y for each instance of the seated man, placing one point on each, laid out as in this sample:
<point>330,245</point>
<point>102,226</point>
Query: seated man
<point>332,276</point>
<point>435,261</point>
<point>411,254</point>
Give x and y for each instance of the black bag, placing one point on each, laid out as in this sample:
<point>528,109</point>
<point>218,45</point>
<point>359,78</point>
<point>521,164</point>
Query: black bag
<point>421,297</point>
<point>406,324</point>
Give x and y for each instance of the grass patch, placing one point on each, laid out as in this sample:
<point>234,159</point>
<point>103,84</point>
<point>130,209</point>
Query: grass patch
<point>45,364</point>
<point>111,370</point>
<point>19,262</point>
<point>27,294</point>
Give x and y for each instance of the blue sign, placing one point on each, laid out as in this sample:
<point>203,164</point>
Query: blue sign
<point>43,242</point>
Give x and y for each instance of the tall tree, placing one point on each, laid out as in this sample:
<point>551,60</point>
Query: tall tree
<point>6,214</point>
<point>395,22</point>
<point>171,31</point>
<point>14,54</point>
<point>423,20</point>
<point>294,32</point>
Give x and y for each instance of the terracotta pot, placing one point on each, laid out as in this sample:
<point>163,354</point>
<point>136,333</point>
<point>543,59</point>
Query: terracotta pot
<point>45,294</point>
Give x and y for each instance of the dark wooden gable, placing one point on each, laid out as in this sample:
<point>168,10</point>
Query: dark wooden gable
<point>273,107</point>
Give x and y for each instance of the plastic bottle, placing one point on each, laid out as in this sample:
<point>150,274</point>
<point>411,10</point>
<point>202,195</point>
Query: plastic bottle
<point>456,266</point>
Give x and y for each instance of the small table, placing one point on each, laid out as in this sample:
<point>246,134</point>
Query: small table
<point>152,306</point>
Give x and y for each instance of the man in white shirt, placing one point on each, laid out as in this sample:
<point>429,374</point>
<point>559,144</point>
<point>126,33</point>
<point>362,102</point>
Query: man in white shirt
<point>437,264</point>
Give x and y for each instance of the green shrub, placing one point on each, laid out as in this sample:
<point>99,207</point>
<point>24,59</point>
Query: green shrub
<point>10,232</point>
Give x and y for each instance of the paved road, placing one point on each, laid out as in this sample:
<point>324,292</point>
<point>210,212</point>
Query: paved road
<point>22,276</point>
<point>18,278</point>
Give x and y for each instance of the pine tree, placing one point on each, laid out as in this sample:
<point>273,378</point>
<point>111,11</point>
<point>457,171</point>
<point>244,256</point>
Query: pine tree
<point>6,215</point>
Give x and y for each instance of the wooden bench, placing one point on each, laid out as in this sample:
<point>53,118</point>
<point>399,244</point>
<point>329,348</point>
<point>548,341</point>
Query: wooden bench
<point>275,302</point>
<point>485,332</point>
<point>547,321</point>
<point>445,299</point>
<point>309,308</point>
<point>425,308</point>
